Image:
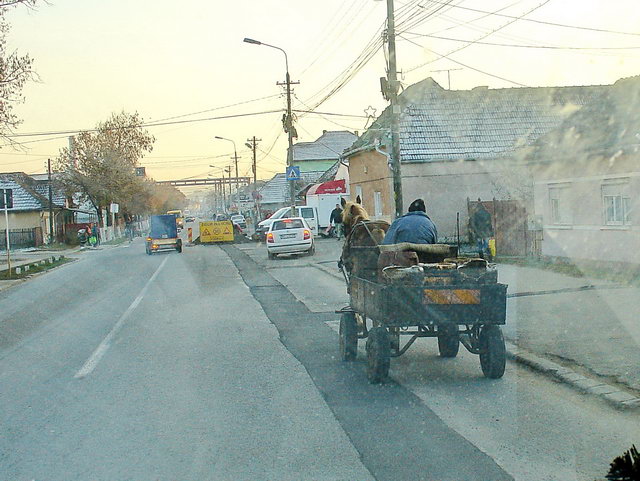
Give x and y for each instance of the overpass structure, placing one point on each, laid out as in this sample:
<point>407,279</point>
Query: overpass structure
<point>216,181</point>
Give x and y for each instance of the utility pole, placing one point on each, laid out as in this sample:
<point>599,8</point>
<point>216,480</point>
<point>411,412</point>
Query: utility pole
<point>51,233</point>
<point>252,143</point>
<point>224,194</point>
<point>228,170</point>
<point>287,119</point>
<point>392,94</point>
<point>291,133</point>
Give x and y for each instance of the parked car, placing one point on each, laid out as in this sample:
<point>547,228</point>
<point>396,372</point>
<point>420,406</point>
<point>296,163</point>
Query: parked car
<point>239,220</point>
<point>308,213</point>
<point>289,236</point>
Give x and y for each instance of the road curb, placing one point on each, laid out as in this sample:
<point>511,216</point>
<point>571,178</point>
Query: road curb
<point>611,394</point>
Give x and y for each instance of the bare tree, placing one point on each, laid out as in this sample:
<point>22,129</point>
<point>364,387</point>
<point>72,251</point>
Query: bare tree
<point>101,165</point>
<point>15,71</point>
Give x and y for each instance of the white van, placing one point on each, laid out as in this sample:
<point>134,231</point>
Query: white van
<point>308,213</point>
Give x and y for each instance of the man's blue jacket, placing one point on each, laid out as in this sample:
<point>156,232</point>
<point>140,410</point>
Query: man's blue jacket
<point>414,227</point>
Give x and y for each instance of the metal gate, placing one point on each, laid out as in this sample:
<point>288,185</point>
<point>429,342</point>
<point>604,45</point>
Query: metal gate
<point>510,225</point>
<point>18,238</point>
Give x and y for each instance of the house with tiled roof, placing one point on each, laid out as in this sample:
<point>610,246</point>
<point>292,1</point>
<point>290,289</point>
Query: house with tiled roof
<point>275,192</point>
<point>314,159</point>
<point>586,181</point>
<point>29,216</point>
<point>321,154</point>
<point>457,145</point>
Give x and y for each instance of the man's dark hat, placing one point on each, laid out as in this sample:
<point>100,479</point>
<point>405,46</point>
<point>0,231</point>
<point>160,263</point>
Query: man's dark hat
<point>417,205</point>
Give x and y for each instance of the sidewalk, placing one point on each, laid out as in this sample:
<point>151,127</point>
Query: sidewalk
<point>589,324</point>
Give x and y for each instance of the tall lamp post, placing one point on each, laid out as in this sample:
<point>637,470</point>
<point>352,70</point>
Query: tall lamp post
<point>288,121</point>
<point>235,157</point>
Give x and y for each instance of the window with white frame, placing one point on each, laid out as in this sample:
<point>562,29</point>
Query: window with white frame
<point>377,204</point>
<point>616,202</point>
<point>560,204</point>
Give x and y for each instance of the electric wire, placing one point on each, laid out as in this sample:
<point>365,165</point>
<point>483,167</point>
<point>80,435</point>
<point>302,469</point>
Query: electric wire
<point>514,19</point>
<point>544,22</point>
<point>466,65</point>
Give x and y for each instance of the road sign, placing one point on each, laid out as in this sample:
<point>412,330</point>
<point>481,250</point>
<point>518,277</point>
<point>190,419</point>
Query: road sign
<point>216,231</point>
<point>8,195</point>
<point>293,172</point>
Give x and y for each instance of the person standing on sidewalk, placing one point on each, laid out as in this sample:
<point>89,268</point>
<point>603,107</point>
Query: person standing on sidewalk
<point>482,230</point>
<point>336,220</point>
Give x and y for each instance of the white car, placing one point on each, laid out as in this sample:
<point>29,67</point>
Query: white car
<point>289,236</point>
<point>239,220</point>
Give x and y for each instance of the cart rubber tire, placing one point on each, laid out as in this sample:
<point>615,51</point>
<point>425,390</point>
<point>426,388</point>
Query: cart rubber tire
<point>493,355</point>
<point>378,355</point>
<point>179,248</point>
<point>448,341</point>
<point>311,251</point>
<point>271,256</point>
<point>348,336</point>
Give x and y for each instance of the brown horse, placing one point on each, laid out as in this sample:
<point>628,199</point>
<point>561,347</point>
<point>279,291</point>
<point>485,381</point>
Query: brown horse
<point>362,236</point>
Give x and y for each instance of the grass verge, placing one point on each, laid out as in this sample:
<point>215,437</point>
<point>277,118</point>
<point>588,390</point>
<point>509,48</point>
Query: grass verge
<point>33,269</point>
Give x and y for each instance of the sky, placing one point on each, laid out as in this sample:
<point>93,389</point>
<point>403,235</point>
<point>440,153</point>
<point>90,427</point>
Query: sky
<point>185,63</point>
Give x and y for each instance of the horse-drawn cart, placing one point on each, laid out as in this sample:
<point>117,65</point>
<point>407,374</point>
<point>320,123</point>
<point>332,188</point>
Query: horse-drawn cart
<point>456,300</point>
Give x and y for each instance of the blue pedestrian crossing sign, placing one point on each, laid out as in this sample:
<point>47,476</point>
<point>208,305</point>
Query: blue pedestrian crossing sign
<point>293,172</point>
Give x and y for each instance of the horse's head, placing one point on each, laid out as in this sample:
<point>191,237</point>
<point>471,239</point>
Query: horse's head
<point>352,213</point>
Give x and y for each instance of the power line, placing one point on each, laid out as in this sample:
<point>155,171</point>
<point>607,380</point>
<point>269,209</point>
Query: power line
<point>465,65</point>
<point>543,22</point>
<point>496,44</point>
<point>144,125</point>
<point>216,108</point>
<point>515,19</point>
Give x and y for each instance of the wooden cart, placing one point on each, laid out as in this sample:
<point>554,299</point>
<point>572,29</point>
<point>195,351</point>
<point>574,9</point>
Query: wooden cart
<point>458,301</point>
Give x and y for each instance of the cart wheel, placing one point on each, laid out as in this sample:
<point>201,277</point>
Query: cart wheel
<point>348,336</point>
<point>378,355</point>
<point>493,356</point>
<point>448,340</point>
<point>312,250</point>
<point>179,248</point>
<point>271,256</point>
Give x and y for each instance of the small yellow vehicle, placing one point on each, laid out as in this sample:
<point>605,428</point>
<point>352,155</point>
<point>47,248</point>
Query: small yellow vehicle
<point>179,217</point>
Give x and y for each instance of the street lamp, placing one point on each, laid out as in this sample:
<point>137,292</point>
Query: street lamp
<point>288,123</point>
<point>235,156</point>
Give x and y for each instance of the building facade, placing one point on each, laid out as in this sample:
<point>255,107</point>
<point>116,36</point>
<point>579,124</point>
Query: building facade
<point>459,145</point>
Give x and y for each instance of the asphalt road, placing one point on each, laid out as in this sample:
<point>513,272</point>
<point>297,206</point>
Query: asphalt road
<point>218,364</point>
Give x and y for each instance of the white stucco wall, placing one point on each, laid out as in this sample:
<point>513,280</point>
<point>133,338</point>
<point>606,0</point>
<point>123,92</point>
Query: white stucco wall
<point>584,234</point>
<point>445,187</point>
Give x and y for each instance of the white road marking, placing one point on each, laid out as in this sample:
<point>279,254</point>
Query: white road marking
<point>91,363</point>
